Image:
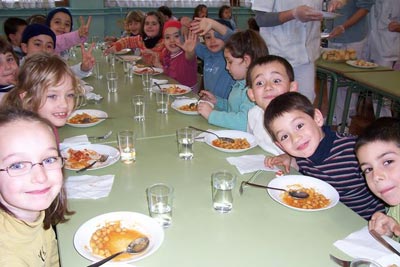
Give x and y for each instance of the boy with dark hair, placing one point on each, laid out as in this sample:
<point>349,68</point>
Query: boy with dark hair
<point>297,128</point>
<point>13,28</point>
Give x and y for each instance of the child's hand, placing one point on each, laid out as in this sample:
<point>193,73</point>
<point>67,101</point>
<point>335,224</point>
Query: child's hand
<point>384,225</point>
<point>208,96</point>
<point>110,50</point>
<point>281,160</point>
<point>190,42</point>
<point>84,28</point>
<point>201,25</point>
<point>204,109</point>
<point>88,59</point>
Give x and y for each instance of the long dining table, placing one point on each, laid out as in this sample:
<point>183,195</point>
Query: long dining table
<point>257,232</point>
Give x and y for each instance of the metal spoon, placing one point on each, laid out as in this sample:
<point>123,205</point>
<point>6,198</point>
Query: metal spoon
<point>293,193</point>
<point>224,139</point>
<point>136,246</point>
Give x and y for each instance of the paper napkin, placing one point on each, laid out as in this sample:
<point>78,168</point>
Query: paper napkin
<point>250,163</point>
<point>74,141</point>
<point>88,186</point>
<point>361,244</point>
<point>159,81</point>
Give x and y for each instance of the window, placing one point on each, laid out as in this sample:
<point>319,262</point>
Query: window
<point>32,3</point>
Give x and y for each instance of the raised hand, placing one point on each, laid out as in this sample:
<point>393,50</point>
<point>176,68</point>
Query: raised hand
<point>84,28</point>
<point>190,42</point>
<point>88,59</point>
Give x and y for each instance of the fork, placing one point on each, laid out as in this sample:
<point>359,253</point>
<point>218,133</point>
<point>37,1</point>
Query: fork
<point>102,158</point>
<point>341,262</point>
<point>102,137</point>
<point>248,180</point>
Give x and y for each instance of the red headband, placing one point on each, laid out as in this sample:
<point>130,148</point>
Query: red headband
<point>172,23</point>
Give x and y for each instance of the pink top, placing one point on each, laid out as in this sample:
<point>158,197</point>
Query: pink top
<point>67,40</point>
<point>179,68</point>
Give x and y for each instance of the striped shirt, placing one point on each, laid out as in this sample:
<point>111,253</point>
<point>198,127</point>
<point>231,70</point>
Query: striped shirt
<point>335,162</point>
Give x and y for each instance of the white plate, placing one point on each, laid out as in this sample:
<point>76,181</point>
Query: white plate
<point>130,58</point>
<point>208,138</point>
<point>329,15</point>
<point>123,51</point>
<point>305,181</point>
<point>166,86</point>
<point>132,220</point>
<point>112,152</point>
<point>139,71</point>
<point>181,102</point>
<point>91,112</point>
<point>353,63</point>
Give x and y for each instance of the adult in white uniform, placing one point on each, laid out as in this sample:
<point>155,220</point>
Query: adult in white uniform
<point>292,29</point>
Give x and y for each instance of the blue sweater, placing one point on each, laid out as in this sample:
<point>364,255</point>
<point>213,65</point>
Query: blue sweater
<point>232,112</point>
<point>335,162</point>
<point>216,78</point>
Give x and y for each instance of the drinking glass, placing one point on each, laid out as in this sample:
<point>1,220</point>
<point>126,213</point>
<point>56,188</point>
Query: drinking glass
<point>223,183</point>
<point>138,105</point>
<point>159,199</point>
<point>147,81</point>
<point>185,139</point>
<point>112,82</point>
<point>126,144</point>
<point>162,99</point>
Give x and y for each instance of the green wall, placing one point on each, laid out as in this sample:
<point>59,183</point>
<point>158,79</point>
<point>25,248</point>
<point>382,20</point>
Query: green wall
<point>105,21</point>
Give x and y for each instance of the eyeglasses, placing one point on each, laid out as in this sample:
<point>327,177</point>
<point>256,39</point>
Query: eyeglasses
<point>25,167</point>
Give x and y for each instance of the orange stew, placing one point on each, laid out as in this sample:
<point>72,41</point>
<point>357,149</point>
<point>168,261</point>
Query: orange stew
<point>111,239</point>
<point>239,143</point>
<point>314,201</point>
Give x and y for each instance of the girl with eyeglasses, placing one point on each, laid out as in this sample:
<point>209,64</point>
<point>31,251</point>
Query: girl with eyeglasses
<point>32,196</point>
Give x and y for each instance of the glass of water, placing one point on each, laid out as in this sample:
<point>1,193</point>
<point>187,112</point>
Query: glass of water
<point>159,199</point>
<point>185,138</point>
<point>223,183</point>
<point>162,99</point>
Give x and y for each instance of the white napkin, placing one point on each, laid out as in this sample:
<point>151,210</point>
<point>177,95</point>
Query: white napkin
<point>74,141</point>
<point>159,81</point>
<point>88,186</point>
<point>93,96</point>
<point>250,163</point>
<point>87,88</point>
<point>361,244</point>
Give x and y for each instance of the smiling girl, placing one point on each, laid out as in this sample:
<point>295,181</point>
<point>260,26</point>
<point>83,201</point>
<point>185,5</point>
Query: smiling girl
<point>32,197</point>
<point>8,67</point>
<point>46,85</point>
<point>150,41</point>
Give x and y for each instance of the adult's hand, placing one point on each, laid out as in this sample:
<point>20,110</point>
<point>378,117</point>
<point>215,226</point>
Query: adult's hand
<point>305,13</point>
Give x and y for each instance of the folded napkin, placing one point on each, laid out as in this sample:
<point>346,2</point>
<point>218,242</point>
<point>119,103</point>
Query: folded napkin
<point>361,244</point>
<point>250,163</point>
<point>74,141</point>
<point>159,81</point>
<point>93,96</point>
<point>88,186</point>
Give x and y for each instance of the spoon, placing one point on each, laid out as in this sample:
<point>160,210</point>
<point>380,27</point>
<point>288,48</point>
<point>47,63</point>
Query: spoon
<point>136,246</point>
<point>293,193</point>
<point>224,139</point>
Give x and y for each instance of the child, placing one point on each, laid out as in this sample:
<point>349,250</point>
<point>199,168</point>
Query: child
<point>240,51</point>
<point>378,152</point>
<point>150,41</point>
<point>32,196</point>
<point>180,61</point>
<point>200,11</point>
<point>59,20</point>
<point>225,13</point>
<point>297,128</point>
<point>133,20</point>
<point>40,38</point>
<point>216,78</point>
<point>46,85</point>
<point>13,28</point>
<point>8,67</point>
<point>267,78</point>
